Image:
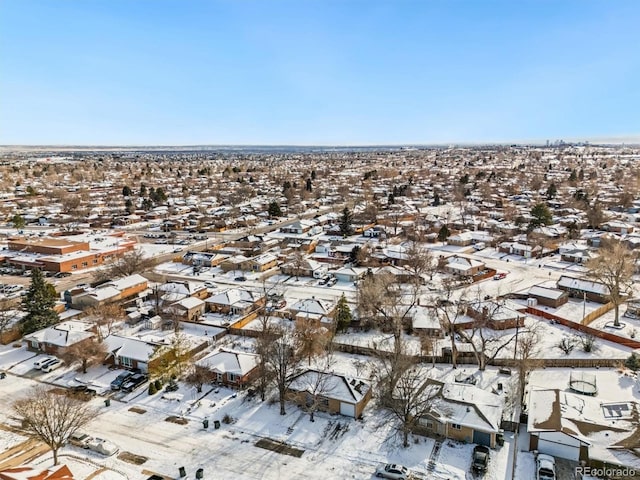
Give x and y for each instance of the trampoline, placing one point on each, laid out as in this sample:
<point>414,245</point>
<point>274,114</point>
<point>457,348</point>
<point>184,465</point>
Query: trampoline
<point>584,383</point>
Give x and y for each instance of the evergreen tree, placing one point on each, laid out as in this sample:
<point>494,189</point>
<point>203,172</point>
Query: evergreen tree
<point>345,222</point>
<point>541,216</point>
<point>38,303</point>
<point>274,209</point>
<point>343,314</point>
<point>126,191</point>
<point>436,200</point>
<point>552,191</point>
<point>444,233</point>
<point>18,221</point>
<point>309,186</point>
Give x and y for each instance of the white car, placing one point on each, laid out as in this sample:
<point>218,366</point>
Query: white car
<point>545,467</point>
<point>100,445</point>
<point>393,471</point>
<point>38,364</point>
<point>48,367</point>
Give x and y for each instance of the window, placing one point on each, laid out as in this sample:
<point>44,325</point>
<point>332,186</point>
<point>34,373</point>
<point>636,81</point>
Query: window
<point>126,362</point>
<point>85,264</point>
<point>455,426</point>
<point>233,378</point>
<point>219,377</point>
<point>74,267</point>
<point>95,261</point>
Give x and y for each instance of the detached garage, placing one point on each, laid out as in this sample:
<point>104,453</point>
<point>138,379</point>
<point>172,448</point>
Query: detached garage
<point>330,392</point>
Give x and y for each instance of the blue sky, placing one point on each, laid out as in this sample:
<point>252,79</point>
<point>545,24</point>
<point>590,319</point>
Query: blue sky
<point>308,72</point>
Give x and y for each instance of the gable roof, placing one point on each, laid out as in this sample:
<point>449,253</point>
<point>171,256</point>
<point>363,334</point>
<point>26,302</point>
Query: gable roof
<point>230,361</point>
<point>330,385</point>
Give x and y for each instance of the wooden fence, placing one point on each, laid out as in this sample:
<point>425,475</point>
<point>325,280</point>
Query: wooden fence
<point>597,313</point>
<point>625,342</point>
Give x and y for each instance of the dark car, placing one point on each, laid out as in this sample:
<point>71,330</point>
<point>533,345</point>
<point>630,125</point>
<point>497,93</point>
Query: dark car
<point>240,279</point>
<point>116,384</point>
<point>134,382</point>
<point>82,390</point>
<point>62,275</point>
<point>480,458</point>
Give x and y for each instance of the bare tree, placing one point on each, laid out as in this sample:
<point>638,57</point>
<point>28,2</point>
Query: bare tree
<point>282,361</point>
<point>87,354</point>
<point>7,317</point>
<point>527,349</point>
<point>312,338</point>
<point>272,293</point>
<point>52,418</point>
<point>198,376</point>
<point>127,264</point>
<point>449,310</point>
<point>317,384</point>
<point>171,361</point>
<point>105,316</point>
<point>420,262</point>
<point>613,267</point>
<point>412,395</point>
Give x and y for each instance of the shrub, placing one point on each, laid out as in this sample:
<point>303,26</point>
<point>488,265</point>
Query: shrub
<point>227,419</point>
<point>633,362</point>
<point>152,388</point>
<point>567,345</point>
<point>158,384</point>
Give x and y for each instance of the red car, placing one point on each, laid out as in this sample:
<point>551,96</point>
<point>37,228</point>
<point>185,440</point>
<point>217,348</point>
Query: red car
<point>499,276</point>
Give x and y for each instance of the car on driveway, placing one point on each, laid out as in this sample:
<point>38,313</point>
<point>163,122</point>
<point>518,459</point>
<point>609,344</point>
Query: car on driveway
<point>393,471</point>
<point>134,382</point>
<point>120,379</point>
<point>480,458</point>
<point>80,439</point>
<point>51,366</point>
<point>499,276</point>
<point>42,361</point>
<point>545,467</point>
<point>102,446</point>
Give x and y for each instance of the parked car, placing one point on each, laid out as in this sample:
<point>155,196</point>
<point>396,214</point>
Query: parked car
<point>80,439</point>
<point>332,281</point>
<point>240,279</point>
<point>43,360</point>
<point>134,382</point>
<point>102,446</point>
<point>83,389</point>
<point>480,458</point>
<point>545,467</point>
<point>49,367</point>
<point>62,275</point>
<point>499,276</point>
<point>393,471</point>
<point>210,284</point>
<point>120,379</point>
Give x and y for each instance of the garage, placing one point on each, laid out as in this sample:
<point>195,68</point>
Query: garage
<point>482,438</point>
<point>347,409</point>
<point>559,445</point>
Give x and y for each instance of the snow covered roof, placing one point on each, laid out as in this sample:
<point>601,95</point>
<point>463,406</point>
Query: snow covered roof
<point>330,385</point>
<point>63,334</point>
<point>232,297</point>
<point>190,302</point>
<point>583,285</point>
<point>132,348</point>
<point>468,405</point>
<point>312,306</point>
<point>230,361</point>
<point>546,292</point>
<point>128,282</point>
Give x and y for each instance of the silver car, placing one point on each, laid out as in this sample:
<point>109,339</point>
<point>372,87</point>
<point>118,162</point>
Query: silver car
<point>393,471</point>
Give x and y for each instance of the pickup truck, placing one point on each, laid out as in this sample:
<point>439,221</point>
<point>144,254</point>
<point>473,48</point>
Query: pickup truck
<point>480,458</point>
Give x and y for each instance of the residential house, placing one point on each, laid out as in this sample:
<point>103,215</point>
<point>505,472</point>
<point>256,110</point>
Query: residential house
<point>493,314</point>
<point>582,428</point>
<point>463,412</point>
<point>331,392</point>
<point>236,301</point>
<point>57,339</point>
<point>232,368</point>
<point>261,263</point>
<point>583,288</point>
<point>188,309</point>
<point>463,266</point>
<point>312,309</point>
<point>548,296</point>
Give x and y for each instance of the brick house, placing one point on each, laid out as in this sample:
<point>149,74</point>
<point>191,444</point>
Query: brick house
<point>231,368</point>
<point>57,339</point>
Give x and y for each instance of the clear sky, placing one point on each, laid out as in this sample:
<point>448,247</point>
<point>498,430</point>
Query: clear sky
<point>306,72</point>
